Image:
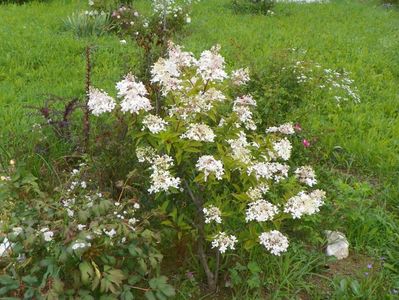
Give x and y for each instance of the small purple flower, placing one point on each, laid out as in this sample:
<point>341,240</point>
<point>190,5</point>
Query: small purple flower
<point>369,266</point>
<point>190,275</point>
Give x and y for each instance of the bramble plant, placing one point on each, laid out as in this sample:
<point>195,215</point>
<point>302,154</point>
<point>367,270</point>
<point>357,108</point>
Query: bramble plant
<point>77,243</point>
<point>205,159</point>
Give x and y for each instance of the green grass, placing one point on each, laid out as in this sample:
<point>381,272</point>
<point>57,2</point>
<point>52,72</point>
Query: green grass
<point>40,58</point>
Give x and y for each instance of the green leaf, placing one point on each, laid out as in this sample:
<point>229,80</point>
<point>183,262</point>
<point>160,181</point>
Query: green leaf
<point>355,286</point>
<point>86,272</point>
<point>127,295</point>
<point>150,295</point>
<point>29,279</point>
<point>254,267</point>
<point>7,280</point>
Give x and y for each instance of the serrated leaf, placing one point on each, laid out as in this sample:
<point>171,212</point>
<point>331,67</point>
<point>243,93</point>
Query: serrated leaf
<point>150,295</point>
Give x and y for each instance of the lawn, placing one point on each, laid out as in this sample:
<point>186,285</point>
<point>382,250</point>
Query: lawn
<point>354,145</point>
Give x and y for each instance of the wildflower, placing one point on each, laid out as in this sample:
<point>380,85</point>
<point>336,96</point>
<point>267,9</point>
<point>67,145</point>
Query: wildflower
<point>274,241</point>
<point>83,184</point>
<point>132,221</point>
<point>80,245</point>
<point>223,242</point>
<point>199,132</point>
<point>133,94</point>
<point>306,143</point>
<point>47,234</point>
<point>123,42</point>
<point>306,175</point>
<point>297,127</point>
<point>212,213</point>
<point>260,211</point>
<point>209,165</point>
<point>190,275</point>
<point>136,206</point>
<point>100,102</point>
<point>111,233</point>
<point>81,226</point>
<point>305,204</point>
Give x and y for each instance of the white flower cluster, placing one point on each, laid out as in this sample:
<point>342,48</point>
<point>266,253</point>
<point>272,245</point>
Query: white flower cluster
<point>47,234</point>
<point>212,213</point>
<point>240,150</point>
<point>199,132</point>
<point>211,65</point>
<point>256,193</point>
<point>286,128</point>
<point>240,76</point>
<point>80,245</point>
<point>199,103</point>
<point>167,72</point>
<point>242,108</point>
<point>269,170</point>
<point>332,81</point>
<point>133,94</point>
<point>261,211</point>
<point>100,102</point>
<point>161,177</point>
<point>305,204</point>
<point>223,242</point>
<point>274,241</point>
<point>282,149</point>
<point>306,175</point>
<point>209,165</point>
<point>154,123</point>
<point>145,154</point>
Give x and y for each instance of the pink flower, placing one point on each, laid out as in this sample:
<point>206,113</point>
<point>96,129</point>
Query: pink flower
<point>297,127</point>
<point>306,143</point>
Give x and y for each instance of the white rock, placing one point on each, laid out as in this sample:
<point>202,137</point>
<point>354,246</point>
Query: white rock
<point>4,247</point>
<point>338,245</point>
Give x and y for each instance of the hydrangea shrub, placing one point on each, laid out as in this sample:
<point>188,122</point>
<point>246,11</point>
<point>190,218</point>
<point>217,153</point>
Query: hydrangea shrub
<point>204,154</point>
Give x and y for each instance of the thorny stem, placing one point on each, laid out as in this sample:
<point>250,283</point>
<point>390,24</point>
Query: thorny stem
<point>198,201</point>
<point>86,114</point>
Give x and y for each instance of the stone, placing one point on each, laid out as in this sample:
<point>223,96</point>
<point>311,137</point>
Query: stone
<point>337,244</point>
<point>5,246</point>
